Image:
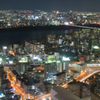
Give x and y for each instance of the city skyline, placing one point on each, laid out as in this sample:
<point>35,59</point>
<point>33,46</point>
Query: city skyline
<point>49,50</point>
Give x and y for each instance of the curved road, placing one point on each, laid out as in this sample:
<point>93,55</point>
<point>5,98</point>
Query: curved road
<point>89,75</point>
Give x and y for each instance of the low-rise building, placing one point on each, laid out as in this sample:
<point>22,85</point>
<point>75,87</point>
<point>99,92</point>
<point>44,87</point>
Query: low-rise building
<point>59,78</point>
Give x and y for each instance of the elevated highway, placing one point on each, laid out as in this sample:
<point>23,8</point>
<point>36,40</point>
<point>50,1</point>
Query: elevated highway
<point>89,75</point>
<point>87,27</point>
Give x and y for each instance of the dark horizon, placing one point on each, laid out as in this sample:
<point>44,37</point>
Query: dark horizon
<point>61,5</point>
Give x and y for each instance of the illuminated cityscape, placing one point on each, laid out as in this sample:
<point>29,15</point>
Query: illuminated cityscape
<point>49,54</point>
<point>41,69</point>
<point>25,18</point>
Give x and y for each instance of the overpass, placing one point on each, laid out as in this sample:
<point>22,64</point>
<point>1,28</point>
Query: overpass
<point>87,71</point>
<point>87,27</point>
<point>89,75</point>
<point>83,76</point>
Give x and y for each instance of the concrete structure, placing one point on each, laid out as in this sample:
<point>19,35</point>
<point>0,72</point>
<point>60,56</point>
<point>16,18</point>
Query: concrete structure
<point>21,67</point>
<point>49,70</point>
<point>59,67</point>
<point>80,90</point>
<point>10,66</point>
<point>59,93</point>
<point>59,78</point>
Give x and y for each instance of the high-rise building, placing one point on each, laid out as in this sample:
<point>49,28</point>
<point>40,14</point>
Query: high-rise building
<point>49,70</point>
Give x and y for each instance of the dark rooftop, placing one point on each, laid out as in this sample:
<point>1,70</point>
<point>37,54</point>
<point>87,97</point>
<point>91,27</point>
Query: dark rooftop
<point>14,71</point>
<point>58,74</point>
<point>5,81</point>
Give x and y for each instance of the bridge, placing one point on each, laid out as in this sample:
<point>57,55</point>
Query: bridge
<point>84,27</point>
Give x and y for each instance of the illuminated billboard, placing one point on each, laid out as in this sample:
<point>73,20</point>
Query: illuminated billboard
<point>66,59</point>
<point>23,60</point>
<point>51,57</point>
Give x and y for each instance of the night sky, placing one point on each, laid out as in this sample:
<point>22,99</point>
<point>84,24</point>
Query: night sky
<point>48,5</point>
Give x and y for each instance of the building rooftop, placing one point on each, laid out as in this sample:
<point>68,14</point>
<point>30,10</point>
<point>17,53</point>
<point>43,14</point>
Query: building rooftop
<point>58,74</point>
<point>14,71</point>
<point>5,81</point>
<point>64,94</point>
<point>74,71</point>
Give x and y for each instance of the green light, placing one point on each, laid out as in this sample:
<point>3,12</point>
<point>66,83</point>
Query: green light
<point>58,61</point>
<point>96,47</point>
<point>46,62</point>
<point>52,82</point>
<point>50,61</point>
<point>54,60</point>
<point>23,60</point>
<point>0,59</point>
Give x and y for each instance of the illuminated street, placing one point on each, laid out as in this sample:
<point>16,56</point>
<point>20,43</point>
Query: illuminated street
<point>18,90</point>
<point>82,75</point>
<point>50,53</point>
<point>89,75</point>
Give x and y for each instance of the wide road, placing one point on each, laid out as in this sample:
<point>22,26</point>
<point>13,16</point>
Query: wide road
<point>18,89</point>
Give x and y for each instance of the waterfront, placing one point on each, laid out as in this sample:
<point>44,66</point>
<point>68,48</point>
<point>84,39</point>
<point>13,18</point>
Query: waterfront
<point>8,36</point>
